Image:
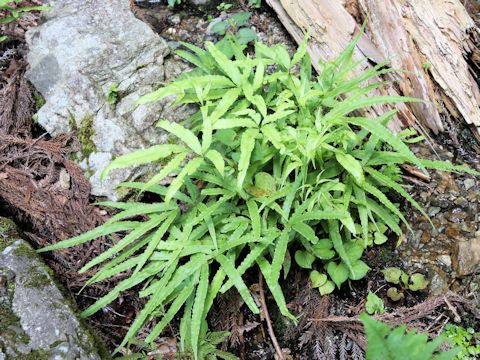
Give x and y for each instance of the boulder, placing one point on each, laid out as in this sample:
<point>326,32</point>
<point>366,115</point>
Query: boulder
<point>36,321</point>
<point>91,61</point>
<point>466,257</point>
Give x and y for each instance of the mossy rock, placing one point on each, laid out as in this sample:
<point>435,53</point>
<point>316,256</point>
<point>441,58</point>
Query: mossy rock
<point>36,320</point>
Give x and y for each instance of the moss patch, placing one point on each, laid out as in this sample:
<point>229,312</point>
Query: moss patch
<point>113,96</point>
<point>11,331</point>
<point>37,279</point>
<point>85,132</point>
<point>10,328</point>
<point>24,250</point>
<point>38,99</point>
<point>8,232</point>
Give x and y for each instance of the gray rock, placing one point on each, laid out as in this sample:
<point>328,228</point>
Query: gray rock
<point>442,203</point>
<point>461,201</point>
<point>466,257</point>
<point>433,210</point>
<point>200,2</point>
<point>77,54</point>
<point>469,183</point>
<point>445,260</point>
<point>439,282</point>
<point>36,321</point>
<point>175,19</point>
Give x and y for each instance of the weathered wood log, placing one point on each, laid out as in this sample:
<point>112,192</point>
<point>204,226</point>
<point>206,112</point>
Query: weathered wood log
<point>432,39</point>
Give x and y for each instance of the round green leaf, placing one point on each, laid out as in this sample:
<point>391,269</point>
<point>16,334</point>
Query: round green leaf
<point>317,279</point>
<point>354,250</point>
<point>324,254</point>
<point>379,238</point>
<point>338,272</point>
<point>265,182</point>
<point>245,35</point>
<point>241,18</point>
<point>323,244</point>
<point>417,282</point>
<point>374,304</point>
<point>359,270</point>
<point>393,294</point>
<point>323,249</point>
<point>392,275</point>
<point>220,28</point>
<point>327,288</point>
<point>304,259</point>
<point>382,227</point>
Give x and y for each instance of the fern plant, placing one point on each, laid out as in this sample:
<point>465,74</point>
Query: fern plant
<point>387,343</point>
<point>273,162</point>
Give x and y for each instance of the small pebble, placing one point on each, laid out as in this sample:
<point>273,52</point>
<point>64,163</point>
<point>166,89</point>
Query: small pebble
<point>424,195</point>
<point>175,19</point>
<point>443,203</point>
<point>469,183</point>
<point>445,260</point>
<point>433,210</point>
<point>457,216</point>
<point>467,227</point>
<point>461,201</point>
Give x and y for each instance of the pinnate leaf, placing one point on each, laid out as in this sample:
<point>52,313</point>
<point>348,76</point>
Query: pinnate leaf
<point>187,136</point>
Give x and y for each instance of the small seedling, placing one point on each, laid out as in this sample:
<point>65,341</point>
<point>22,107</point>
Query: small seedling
<point>321,282</point>
<point>172,3</point>
<point>374,304</point>
<point>468,340</point>
<point>236,25</point>
<point>394,275</point>
<point>322,251</point>
<point>112,95</point>
<point>224,6</point>
<point>427,65</point>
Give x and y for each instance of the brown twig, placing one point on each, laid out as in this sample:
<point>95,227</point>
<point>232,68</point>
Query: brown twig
<point>241,337</point>
<point>456,317</point>
<point>336,319</point>
<point>416,172</point>
<point>271,333</point>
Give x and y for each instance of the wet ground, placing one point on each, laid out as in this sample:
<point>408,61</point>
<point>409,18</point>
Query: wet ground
<point>196,26</point>
<point>448,248</point>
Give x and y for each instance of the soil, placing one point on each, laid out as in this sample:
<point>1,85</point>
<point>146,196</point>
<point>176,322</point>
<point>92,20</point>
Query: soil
<point>36,194</point>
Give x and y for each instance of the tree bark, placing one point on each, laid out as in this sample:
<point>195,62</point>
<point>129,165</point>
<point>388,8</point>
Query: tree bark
<point>436,41</point>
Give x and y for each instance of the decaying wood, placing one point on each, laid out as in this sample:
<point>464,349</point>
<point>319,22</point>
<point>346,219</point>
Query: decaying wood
<point>434,40</point>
